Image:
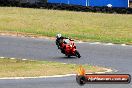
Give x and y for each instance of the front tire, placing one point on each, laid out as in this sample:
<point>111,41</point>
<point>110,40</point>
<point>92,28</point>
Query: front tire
<point>81,80</point>
<point>77,54</point>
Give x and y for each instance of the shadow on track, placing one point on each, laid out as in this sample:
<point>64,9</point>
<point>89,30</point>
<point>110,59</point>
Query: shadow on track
<point>65,57</point>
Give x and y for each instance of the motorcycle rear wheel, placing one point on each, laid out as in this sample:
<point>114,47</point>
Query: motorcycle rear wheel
<point>69,56</point>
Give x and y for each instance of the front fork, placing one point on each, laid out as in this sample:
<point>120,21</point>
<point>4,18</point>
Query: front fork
<point>74,50</point>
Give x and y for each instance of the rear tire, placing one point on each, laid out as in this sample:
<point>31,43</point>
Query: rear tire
<point>77,54</point>
<point>69,56</point>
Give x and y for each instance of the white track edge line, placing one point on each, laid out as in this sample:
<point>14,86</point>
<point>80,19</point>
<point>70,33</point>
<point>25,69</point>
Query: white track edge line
<point>100,43</point>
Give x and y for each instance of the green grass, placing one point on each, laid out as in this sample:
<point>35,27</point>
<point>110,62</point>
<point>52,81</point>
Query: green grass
<point>28,68</point>
<point>115,28</point>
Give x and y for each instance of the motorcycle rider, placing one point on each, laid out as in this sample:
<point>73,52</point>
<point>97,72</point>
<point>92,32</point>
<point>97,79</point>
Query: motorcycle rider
<point>59,40</point>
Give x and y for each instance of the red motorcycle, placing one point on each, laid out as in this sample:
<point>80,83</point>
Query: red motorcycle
<point>68,48</point>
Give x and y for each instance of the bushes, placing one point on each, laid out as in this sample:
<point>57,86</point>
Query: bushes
<point>87,9</point>
<point>9,3</point>
<point>58,6</point>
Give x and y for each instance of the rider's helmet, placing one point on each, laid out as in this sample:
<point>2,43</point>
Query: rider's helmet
<point>58,35</point>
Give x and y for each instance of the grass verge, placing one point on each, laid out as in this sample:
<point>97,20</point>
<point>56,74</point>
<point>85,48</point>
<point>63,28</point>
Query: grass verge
<point>115,28</point>
<point>28,68</point>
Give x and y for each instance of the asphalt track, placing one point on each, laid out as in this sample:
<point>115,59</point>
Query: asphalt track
<point>112,56</point>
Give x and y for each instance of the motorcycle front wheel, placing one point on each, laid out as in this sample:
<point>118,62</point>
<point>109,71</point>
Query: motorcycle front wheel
<point>77,54</point>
